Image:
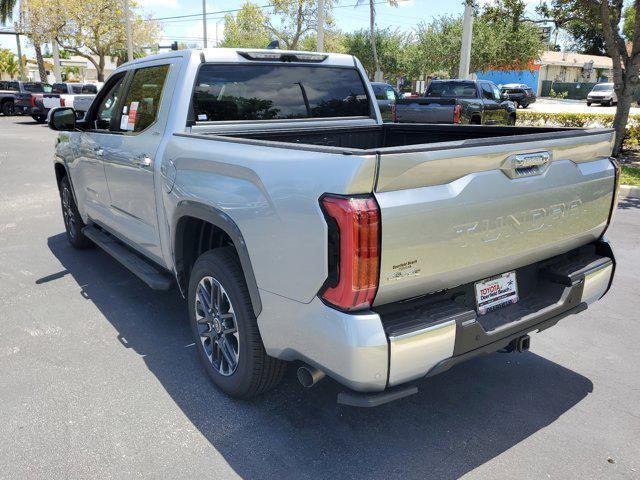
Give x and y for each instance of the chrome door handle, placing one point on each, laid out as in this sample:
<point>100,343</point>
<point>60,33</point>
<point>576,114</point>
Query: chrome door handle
<point>143,161</point>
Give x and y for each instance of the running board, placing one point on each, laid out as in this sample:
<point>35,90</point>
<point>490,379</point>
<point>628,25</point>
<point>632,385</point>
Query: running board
<point>141,268</point>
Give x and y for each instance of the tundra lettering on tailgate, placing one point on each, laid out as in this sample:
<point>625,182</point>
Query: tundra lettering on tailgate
<point>537,219</point>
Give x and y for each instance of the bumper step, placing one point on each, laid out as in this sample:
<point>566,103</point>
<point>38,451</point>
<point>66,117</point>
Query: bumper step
<point>141,268</point>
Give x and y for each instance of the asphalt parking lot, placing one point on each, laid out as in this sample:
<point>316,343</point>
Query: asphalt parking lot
<point>99,378</point>
<point>556,105</point>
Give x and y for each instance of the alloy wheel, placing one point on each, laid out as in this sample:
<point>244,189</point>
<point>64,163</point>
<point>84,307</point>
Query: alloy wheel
<point>217,326</point>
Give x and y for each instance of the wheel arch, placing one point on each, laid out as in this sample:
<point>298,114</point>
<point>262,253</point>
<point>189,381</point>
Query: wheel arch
<point>220,230</point>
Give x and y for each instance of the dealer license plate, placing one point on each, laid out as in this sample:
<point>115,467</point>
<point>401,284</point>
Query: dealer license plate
<point>495,292</point>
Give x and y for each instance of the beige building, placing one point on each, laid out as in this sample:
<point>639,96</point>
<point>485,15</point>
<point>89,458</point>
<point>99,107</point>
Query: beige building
<point>83,70</point>
<point>573,67</point>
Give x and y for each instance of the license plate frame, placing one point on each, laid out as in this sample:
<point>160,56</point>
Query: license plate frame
<point>496,292</point>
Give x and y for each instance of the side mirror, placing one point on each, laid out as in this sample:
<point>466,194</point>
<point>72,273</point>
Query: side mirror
<point>62,119</point>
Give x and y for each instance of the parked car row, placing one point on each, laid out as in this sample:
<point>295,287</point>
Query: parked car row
<point>37,98</point>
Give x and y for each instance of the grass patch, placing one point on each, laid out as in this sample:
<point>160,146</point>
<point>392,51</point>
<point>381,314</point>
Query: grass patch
<point>630,176</point>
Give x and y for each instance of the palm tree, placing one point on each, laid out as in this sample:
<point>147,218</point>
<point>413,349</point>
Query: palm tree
<point>372,33</point>
<point>6,13</point>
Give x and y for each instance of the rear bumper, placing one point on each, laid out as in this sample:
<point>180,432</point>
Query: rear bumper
<point>398,343</point>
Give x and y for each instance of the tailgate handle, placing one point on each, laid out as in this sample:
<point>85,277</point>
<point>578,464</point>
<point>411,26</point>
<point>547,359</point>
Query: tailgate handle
<point>526,164</point>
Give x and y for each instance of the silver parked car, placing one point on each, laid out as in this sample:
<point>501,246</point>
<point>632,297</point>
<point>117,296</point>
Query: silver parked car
<point>265,187</point>
<point>602,93</point>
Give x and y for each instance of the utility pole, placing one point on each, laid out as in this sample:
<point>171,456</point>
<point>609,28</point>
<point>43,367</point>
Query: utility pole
<point>56,60</point>
<point>320,46</point>
<point>20,64</point>
<point>127,25</point>
<point>467,33</point>
<point>204,24</point>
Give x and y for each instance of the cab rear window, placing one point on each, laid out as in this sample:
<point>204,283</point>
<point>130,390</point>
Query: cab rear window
<point>276,92</point>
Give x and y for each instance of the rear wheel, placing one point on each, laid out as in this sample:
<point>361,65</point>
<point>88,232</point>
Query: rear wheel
<point>73,223</point>
<point>7,108</point>
<point>39,118</point>
<point>225,328</point>
<point>512,119</point>
<point>588,104</point>
<point>475,121</point>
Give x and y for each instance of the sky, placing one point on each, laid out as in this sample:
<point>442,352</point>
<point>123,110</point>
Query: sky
<point>347,16</point>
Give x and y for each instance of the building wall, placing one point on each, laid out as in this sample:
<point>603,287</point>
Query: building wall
<point>559,73</point>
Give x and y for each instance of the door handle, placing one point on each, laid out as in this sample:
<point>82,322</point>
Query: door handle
<point>143,161</point>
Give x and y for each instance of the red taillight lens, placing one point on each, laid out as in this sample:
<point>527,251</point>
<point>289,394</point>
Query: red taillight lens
<point>457,111</point>
<point>394,113</point>
<point>354,250</point>
<point>33,101</point>
<point>62,102</point>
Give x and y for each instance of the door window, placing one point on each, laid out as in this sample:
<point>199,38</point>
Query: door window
<point>487,91</point>
<point>141,105</point>
<point>106,114</point>
<point>391,95</point>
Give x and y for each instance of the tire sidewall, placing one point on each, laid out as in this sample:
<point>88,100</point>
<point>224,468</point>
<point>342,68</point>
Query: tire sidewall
<point>212,264</point>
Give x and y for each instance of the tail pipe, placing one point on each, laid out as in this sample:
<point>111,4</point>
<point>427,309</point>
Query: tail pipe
<point>309,376</point>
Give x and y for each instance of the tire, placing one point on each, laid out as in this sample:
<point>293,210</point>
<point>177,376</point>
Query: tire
<point>7,108</point>
<point>525,105</point>
<point>512,119</point>
<point>39,118</point>
<point>475,121</point>
<point>607,104</point>
<point>588,104</point>
<point>254,371</point>
<point>73,223</point>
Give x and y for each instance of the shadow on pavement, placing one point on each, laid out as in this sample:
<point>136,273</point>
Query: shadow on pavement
<point>457,422</point>
<point>628,203</point>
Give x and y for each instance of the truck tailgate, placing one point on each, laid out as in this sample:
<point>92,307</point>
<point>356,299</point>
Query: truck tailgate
<point>458,212</point>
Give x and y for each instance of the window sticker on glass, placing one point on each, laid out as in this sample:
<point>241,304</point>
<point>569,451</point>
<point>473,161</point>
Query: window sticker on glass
<point>133,112</point>
<point>202,116</point>
<point>124,121</point>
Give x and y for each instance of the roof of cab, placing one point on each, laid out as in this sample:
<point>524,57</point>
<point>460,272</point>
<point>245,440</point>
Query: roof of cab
<point>233,55</point>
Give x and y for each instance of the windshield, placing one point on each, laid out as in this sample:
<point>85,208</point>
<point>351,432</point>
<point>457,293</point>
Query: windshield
<point>273,92</point>
<point>602,88</point>
<point>37,87</point>
<point>451,89</point>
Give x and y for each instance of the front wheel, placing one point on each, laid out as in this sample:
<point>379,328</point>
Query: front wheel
<point>39,118</point>
<point>73,223</point>
<point>588,104</point>
<point>225,328</point>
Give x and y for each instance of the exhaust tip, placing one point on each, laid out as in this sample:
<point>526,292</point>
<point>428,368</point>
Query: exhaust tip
<point>309,376</point>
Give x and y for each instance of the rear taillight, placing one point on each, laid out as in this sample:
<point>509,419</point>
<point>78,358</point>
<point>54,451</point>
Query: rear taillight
<point>616,193</point>
<point>62,102</point>
<point>33,101</point>
<point>354,251</point>
<point>457,111</point>
<point>394,113</point>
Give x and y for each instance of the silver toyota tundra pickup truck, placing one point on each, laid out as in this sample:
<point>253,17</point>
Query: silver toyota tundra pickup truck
<point>298,226</point>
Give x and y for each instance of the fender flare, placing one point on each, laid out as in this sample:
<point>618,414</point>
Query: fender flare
<point>215,216</point>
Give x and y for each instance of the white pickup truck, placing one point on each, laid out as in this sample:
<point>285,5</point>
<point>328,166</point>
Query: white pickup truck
<point>301,228</point>
<point>78,96</point>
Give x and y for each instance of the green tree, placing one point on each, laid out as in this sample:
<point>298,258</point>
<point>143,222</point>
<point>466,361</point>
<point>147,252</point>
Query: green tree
<point>607,15</point>
<point>390,45</point>
<point>247,29</point>
<point>498,42</point>
<point>628,22</point>
<point>372,33</point>
<point>334,41</point>
<point>8,63</point>
<point>586,38</point>
<point>293,20</point>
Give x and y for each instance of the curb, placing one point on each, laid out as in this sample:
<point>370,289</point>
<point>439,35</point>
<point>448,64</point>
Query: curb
<point>627,191</point>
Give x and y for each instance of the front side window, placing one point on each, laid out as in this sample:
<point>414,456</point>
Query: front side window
<point>276,92</point>
<point>105,116</point>
<point>140,108</point>
<point>89,88</point>
<point>391,95</point>
<point>33,87</point>
<point>487,91</point>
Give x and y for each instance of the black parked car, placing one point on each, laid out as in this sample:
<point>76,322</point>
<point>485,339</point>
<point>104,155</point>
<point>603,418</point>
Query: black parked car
<point>522,95</point>
<point>386,96</point>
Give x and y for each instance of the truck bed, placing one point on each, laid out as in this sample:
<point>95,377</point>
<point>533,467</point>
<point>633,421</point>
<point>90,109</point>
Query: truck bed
<point>400,135</point>
<point>456,207</point>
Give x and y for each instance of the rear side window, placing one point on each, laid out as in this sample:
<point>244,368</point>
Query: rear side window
<point>452,89</point>
<point>89,88</point>
<point>275,92</point>
<point>140,108</point>
<point>76,89</point>
<point>58,88</point>
<point>11,86</point>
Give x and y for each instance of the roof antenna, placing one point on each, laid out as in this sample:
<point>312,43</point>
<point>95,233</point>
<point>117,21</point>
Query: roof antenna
<point>274,45</point>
